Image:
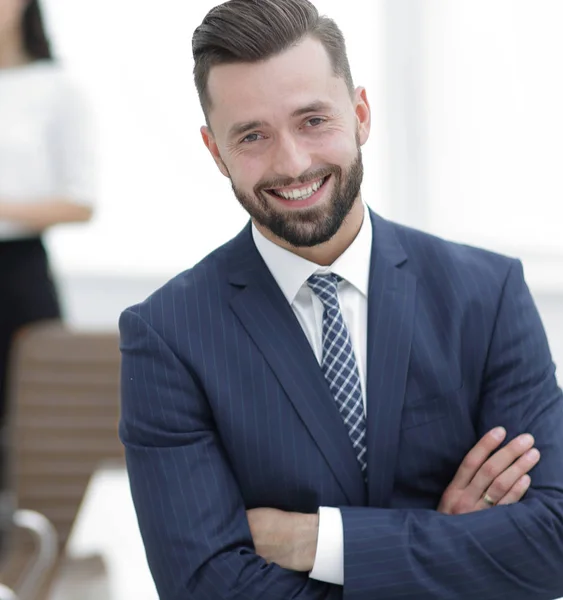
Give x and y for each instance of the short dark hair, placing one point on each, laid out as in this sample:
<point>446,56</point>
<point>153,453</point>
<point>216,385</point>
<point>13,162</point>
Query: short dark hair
<point>240,31</point>
<point>35,38</point>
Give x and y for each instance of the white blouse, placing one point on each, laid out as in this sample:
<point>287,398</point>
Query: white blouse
<point>46,140</point>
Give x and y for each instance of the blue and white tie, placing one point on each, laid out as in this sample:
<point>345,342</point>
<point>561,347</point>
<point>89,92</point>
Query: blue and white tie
<point>339,363</point>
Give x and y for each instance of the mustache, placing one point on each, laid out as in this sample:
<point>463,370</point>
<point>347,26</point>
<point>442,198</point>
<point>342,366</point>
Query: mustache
<point>309,177</point>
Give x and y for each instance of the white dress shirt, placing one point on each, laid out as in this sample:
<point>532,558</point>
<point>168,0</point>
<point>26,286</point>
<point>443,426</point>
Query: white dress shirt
<point>46,145</point>
<point>291,272</point>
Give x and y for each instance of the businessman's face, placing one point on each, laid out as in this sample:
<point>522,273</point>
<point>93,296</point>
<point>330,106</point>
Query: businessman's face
<point>287,133</point>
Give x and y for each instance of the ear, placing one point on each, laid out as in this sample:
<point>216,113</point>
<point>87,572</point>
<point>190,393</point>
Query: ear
<point>211,145</point>
<point>363,114</point>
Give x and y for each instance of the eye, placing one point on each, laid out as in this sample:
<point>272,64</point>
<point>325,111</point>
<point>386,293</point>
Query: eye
<point>315,121</point>
<point>251,137</point>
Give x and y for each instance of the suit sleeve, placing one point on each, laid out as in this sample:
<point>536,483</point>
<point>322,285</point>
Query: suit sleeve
<point>190,511</point>
<point>512,551</point>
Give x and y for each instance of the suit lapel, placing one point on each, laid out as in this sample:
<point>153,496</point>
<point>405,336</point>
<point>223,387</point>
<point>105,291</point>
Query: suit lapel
<point>269,320</point>
<point>391,307</point>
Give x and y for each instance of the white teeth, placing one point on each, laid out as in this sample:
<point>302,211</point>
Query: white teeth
<point>301,194</point>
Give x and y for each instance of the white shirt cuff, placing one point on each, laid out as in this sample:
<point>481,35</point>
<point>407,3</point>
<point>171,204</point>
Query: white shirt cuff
<point>329,560</point>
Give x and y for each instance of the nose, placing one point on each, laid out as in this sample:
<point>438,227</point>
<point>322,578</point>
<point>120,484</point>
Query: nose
<point>290,158</point>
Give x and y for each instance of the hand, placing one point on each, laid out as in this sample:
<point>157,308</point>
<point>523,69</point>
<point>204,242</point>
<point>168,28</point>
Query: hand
<point>286,538</point>
<point>502,476</point>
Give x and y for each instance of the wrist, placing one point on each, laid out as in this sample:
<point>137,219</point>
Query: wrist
<point>306,539</point>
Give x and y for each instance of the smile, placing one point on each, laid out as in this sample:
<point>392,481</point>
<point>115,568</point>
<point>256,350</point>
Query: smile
<point>302,193</point>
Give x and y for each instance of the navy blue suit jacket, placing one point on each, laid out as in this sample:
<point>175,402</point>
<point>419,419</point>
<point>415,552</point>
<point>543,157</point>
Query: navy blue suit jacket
<point>225,408</point>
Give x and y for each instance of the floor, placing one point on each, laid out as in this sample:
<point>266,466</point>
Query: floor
<point>84,580</point>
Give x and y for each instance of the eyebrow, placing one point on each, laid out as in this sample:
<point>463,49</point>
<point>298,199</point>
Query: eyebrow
<point>314,107</point>
<point>240,128</point>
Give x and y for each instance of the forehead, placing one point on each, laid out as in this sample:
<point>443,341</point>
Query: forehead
<point>274,87</point>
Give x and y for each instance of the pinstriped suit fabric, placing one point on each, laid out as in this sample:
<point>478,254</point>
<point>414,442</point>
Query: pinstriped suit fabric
<point>224,408</point>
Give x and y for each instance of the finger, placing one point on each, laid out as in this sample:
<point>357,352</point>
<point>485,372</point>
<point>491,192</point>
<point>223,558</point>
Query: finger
<point>498,463</point>
<point>477,456</point>
<point>508,478</point>
<point>517,491</point>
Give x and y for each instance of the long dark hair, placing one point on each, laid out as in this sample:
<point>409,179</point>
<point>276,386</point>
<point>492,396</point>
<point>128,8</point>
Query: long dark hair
<point>35,38</point>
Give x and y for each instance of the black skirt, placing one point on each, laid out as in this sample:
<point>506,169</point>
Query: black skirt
<point>27,295</point>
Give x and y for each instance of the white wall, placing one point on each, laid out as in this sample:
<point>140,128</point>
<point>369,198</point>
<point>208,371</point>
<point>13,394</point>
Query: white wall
<point>492,93</point>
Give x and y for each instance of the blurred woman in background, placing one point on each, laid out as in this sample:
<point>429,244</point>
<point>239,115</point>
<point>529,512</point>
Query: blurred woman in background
<point>46,170</point>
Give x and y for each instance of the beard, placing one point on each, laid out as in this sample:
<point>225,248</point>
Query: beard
<point>309,226</point>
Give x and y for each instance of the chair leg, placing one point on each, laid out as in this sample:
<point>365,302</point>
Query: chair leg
<point>45,558</point>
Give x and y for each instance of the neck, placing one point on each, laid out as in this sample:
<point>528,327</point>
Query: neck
<point>325,254</point>
<point>12,51</point>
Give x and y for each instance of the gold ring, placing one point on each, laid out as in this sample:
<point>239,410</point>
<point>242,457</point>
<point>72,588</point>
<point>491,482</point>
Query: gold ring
<point>488,500</point>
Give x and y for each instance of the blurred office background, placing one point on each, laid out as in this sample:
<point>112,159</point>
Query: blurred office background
<point>466,98</point>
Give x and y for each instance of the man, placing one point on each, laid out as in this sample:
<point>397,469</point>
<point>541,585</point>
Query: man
<point>330,405</point>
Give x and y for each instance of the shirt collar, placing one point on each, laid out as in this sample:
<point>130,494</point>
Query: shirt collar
<point>291,271</point>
